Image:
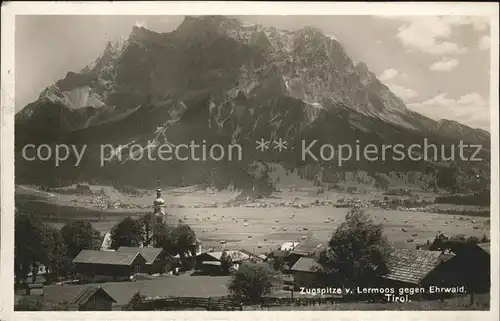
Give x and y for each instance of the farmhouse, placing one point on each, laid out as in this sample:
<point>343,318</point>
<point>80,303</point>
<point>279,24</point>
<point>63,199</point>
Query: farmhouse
<point>306,273</point>
<point>254,257</point>
<point>210,261</point>
<point>475,262</point>
<point>306,248</point>
<point>94,298</point>
<point>108,265</point>
<point>288,246</point>
<point>156,259</point>
<point>409,268</point>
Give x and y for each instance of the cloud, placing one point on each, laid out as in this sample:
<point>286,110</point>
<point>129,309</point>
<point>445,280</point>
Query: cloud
<point>428,34</point>
<point>484,42</point>
<point>391,73</point>
<point>388,74</point>
<point>402,92</point>
<point>445,64</point>
<point>470,109</point>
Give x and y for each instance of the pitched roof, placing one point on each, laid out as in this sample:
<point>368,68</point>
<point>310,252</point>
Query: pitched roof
<point>287,246</point>
<point>250,254</point>
<point>149,253</point>
<point>305,264</point>
<point>411,266</point>
<point>309,245</point>
<point>485,247</point>
<point>235,255</point>
<point>106,257</point>
<point>90,291</point>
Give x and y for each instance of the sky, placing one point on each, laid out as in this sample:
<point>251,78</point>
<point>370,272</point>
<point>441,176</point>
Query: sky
<point>438,65</point>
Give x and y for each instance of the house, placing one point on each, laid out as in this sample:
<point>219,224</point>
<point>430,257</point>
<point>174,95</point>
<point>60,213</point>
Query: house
<point>94,298</point>
<point>207,261</point>
<point>263,257</point>
<point>288,246</point>
<point>254,257</point>
<point>411,268</point>
<point>306,273</point>
<point>475,262</point>
<point>97,266</point>
<point>306,248</point>
<point>481,269</point>
<point>156,258</point>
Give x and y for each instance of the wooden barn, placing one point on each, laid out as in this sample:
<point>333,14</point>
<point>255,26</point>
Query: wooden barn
<point>156,258</point>
<point>306,248</point>
<point>305,273</point>
<point>475,261</point>
<point>94,298</point>
<point>210,262</point>
<point>411,268</point>
<point>95,266</point>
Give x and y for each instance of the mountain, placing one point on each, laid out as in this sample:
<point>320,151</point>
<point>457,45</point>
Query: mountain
<point>217,80</point>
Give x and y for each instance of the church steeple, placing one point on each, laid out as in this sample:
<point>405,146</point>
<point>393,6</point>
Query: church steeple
<point>158,214</point>
<point>158,203</point>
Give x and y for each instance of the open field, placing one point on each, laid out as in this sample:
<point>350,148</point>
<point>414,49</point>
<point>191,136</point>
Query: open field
<point>271,227</point>
<point>250,226</point>
<point>183,285</point>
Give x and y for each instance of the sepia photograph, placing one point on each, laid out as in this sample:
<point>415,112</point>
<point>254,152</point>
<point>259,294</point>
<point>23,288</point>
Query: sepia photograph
<point>267,162</point>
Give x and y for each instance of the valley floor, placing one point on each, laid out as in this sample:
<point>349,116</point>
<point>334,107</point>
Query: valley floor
<point>258,226</point>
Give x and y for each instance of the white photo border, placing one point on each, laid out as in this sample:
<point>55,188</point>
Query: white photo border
<point>10,10</point>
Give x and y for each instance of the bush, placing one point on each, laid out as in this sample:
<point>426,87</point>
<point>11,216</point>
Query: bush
<point>252,281</point>
<point>226,262</point>
<point>135,302</point>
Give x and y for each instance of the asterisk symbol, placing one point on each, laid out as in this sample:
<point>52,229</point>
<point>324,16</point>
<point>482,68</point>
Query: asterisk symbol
<point>262,145</point>
<point>280,145</point>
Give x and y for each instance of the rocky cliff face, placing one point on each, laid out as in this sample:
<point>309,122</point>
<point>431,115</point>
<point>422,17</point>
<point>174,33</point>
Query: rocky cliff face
<point>216,78</point>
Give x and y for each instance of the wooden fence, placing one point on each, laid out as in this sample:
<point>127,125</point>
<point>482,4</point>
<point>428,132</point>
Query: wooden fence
<point>227,303</point>
<point>183,303</point>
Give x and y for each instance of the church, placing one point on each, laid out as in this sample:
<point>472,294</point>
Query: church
<point>159,215</point>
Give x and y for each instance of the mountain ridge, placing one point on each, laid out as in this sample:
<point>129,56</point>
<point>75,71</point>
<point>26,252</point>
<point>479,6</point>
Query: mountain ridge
<point>248,81</point>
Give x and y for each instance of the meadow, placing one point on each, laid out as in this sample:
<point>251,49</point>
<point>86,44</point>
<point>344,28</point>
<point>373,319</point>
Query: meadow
<point>256,226</point>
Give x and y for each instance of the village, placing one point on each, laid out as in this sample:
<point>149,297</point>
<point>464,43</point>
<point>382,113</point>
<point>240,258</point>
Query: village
<point>111,279</point>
